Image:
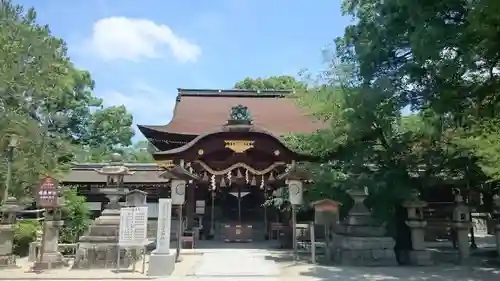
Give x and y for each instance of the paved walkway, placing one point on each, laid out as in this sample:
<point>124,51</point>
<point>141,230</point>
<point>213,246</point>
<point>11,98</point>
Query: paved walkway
<point>234,265</point>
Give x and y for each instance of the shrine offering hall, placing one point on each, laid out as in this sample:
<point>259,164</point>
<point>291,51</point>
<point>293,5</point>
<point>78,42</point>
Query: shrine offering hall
<point>225,145</point>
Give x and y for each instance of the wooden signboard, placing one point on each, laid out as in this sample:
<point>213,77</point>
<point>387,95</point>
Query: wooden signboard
<point>47,193</point>
<point>326,211</point>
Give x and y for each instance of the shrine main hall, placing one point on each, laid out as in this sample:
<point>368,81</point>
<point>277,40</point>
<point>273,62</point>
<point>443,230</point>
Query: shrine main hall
<point>226,145</point>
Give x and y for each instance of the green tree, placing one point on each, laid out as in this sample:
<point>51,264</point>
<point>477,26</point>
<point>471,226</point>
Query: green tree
<point>441,56</point>
<point>283,82</point>
<point>46,101</point>
<point>76,216</point>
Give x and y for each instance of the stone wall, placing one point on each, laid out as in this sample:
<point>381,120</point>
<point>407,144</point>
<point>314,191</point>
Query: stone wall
<point>363,251</point>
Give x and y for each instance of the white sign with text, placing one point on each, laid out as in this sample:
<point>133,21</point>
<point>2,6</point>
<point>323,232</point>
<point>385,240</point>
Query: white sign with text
<point>133,226</point>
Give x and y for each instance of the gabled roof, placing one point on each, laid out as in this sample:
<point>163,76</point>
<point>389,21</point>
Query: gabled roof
<point>198,111</point>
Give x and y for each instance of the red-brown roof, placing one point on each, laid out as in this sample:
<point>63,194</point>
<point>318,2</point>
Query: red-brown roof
<point>199,111</point>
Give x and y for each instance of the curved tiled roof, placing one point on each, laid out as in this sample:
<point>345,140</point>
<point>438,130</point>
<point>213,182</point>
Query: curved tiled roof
<point>199,111</point>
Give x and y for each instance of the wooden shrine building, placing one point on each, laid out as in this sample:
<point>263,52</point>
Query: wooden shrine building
<point>227,143</point>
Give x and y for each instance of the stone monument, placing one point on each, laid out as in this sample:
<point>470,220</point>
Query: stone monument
<point>99,247</point>
<point>162,260</point>
<point>418,255</point>
<point>7,226</point>
<point>51,258</point>
<point>359,240</point>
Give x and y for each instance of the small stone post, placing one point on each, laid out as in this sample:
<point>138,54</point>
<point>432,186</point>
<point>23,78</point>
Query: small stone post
<point>162,260</point>
<point>7,226</point>
<point>418,255</point>
<point>461,223</point>
<point>496,202</point>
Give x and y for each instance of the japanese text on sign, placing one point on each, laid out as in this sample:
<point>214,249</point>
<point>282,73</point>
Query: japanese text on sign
<point>133,226</point>
<point>47,194</point>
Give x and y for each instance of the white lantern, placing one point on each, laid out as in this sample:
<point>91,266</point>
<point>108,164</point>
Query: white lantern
<point>178,192</point>
<point>295,191</point>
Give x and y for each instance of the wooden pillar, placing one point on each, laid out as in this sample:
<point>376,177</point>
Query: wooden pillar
<point>191,205</point>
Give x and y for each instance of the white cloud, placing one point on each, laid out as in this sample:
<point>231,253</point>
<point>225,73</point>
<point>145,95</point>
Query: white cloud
<point>148,105</point>
<point>116,38</point>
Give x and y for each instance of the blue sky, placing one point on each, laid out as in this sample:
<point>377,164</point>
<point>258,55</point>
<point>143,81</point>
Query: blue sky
<point>140,52</point>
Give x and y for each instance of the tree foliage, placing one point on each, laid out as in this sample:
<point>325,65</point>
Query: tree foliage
<point>47,102</point>
<point>439,56</point>
<point>440,59</point>
<point>76,214</point>
<point>283,82</point>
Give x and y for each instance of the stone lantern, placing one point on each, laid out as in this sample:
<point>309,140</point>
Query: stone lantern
<point>462,224</point>
<point>359,240</point>
<point>7,225</point>
<point>50,257</point>
<point>100,245</point>
<point>115,173</point>
<point>416,222</point>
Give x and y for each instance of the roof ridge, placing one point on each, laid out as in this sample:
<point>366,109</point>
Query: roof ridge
<point>234,93</point>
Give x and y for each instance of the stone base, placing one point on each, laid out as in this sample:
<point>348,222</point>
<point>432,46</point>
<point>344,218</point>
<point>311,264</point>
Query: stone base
<point>420,257</point>
<point>8,261</point>
<point>98,256</point>
<point>161,264</point>
<point>50,261</point>
<point>363,251</point>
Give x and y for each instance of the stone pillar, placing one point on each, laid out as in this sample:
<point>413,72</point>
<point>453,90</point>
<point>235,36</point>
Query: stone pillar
<point>418,255</point>
<point>35,246</point>
<point>462,224</point>
<point>7,258</point>
<point>7,226</point>
<point>51,257</point>
<point>162,260</point>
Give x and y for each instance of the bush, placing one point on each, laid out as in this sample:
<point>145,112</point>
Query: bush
<point>76,216</point>
<point>25,233</point>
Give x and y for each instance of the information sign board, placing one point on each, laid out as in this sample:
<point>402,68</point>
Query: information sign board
<point>133,226</point>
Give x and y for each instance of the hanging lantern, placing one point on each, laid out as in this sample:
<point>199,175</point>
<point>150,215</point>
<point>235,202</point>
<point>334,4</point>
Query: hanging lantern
<point>222,182</point>
<point>212,182</point>
<point>271,176</point>
<point>205,176</point>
